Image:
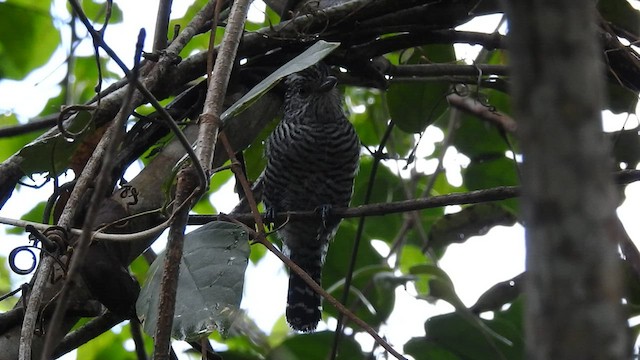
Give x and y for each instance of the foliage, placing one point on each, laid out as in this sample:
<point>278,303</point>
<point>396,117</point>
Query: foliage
<point>210,283</point>
<point>381,93</point>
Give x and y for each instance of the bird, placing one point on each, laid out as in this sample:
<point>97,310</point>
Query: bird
<point>312,160</point>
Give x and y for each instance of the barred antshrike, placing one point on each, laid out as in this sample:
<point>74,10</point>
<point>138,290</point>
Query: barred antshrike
<point>312,159</point>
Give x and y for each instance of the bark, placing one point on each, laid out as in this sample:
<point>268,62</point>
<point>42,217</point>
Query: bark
<point>573,289</point>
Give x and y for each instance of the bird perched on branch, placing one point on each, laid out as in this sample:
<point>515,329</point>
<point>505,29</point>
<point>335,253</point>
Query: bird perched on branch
<point>312,159</point>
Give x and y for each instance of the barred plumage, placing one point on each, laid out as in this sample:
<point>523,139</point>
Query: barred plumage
<point>312,159</point>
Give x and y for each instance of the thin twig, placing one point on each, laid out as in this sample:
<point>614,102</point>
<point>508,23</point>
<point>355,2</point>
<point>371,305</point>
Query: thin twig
<point>319,290</point>
<point>212,40</point>
<point>475,107</point>
<point>447,70</point>
<point>377,157</point>
<point>33,306</point>
<point>162,25</point>
<point>87,332</point>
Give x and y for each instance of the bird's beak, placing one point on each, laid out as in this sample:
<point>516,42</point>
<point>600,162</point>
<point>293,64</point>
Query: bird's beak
<point>329,83</point>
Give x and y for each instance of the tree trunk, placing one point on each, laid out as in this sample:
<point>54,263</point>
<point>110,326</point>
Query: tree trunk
<point>573,290</point>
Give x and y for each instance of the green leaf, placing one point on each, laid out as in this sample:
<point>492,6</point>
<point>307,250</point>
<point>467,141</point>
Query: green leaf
<point>621,13</point>
<point>500,294</point>
<point>13,144</point>
<point>27,38</point>
<point>425,349</point>
<point>34,215</point>
<point>411,256</point>
<point>96,10</point>
<point>474,220</point>
<point>626,147</point>
<point>204,206</point>
<point>367,113</point>
<point>210,283</point>
<point>441,287</point>
<point>620,99</point>
<point>53,105</point>
<point>339,255</point>
<point>33,5</point>
<point>85,75</point>
<point>386,187</point>
<point>5,286</point>
<point>312,55</point>
<point>372,294</point>
<point>316,346</point>
<point>53,153</point>
<point>456,334</point>
<point>414,106</point>
<point>475,138</point>
<point>109,345</point>
<point>492,172</point>
<point>440,284</point>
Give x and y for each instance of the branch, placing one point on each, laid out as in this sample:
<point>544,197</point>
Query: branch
<point>87,332</point>
<point>623,177</point>
<point>447,70</point>
<point>207,136</point>
<point>162,25</point>
<point>474,107</point>
<point>318,289</point>
<point>418,35</point>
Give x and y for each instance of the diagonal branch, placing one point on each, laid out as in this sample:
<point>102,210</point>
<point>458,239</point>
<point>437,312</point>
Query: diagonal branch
<point>206,143</point>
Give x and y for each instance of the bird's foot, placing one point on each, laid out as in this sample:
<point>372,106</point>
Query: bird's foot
<point>270,217</point>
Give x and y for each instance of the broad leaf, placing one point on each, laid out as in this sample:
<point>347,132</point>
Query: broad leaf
<point>210,283</point>
<point>96,10</point>
<point>315,347</point>
<point>473,220</point>
<point>456,334</point>
<point>426,99</point>
<point>11,145</point>
<point>372,294</point>
<point>53,153</point>
<point>620,13</point>
<point>312,55</point>
<point>27,38</point>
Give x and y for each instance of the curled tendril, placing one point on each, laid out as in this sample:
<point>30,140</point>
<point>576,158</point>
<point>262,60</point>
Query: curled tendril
<point>68,111</point>
<point>12,259</point>
<point>49,246</point>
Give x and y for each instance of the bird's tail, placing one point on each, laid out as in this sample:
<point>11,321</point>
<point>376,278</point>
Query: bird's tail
<point>303,304</point>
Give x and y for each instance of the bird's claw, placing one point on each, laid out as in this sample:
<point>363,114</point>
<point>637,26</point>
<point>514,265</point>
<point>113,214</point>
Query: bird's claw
<point>270,217</point>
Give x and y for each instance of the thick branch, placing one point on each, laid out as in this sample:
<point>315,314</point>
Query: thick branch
<point>573,287</point>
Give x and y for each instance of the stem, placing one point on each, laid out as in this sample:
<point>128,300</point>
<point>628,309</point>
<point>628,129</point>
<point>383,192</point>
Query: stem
<point>171,269</point>
<point>207,136</point>
<point>162,25</point>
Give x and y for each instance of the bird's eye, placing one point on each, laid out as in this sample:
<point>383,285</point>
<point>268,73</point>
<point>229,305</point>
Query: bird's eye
<point>304,90</point>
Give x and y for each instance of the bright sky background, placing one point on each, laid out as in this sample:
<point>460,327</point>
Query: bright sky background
<point>473,266</point>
